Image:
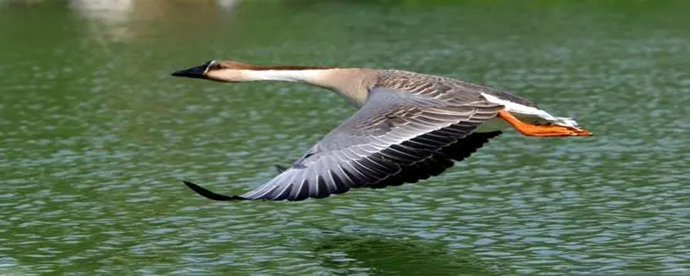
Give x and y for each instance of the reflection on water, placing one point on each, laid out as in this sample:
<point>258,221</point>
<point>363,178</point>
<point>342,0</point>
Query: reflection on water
<point>95,138</point>
<point>120,19</point>
<point>126,20</point>
<point>110,17</point>
<point>107,12</point>
<point>380,255</point>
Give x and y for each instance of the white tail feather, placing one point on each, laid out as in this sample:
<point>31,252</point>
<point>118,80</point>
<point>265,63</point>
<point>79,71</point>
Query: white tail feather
<point>522,111</point>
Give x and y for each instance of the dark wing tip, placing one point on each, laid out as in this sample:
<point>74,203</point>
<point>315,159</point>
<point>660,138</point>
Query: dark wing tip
<point>211,195</point>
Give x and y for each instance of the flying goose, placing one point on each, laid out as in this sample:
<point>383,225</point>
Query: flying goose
<point>409,127</point>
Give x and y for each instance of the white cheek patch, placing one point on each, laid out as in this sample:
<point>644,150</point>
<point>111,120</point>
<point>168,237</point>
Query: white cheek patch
<point>282,75</point>
<point>529,111</point>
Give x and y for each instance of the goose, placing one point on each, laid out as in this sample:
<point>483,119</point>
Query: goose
<point>409,127</point>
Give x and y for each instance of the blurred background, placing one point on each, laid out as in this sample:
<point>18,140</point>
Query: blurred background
<point>95,137</point>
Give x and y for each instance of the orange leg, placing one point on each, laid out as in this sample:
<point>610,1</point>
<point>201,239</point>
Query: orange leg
<point>541,131</point>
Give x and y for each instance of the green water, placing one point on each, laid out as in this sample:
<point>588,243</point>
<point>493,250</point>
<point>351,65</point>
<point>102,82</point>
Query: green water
<point>95,138</point>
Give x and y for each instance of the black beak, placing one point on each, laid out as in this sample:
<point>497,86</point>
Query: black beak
<point>198,72</point>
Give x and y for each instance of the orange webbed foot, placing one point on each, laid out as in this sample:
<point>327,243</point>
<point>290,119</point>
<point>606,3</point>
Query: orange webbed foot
<point>540,130</point>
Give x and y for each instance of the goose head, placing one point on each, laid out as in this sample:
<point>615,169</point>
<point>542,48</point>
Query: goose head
<point>223,71</point>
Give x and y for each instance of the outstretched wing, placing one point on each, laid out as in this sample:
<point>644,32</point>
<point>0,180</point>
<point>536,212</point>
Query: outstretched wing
<point>396,137</point>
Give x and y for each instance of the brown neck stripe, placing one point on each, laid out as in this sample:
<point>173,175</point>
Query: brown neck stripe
<point>239,65</point>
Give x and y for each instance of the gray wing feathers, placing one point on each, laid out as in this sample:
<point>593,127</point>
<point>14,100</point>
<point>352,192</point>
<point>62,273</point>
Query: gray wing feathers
<point>392,132</point>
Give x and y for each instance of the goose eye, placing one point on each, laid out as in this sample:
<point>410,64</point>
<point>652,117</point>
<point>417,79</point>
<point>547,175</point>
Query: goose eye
<point>215,66</point>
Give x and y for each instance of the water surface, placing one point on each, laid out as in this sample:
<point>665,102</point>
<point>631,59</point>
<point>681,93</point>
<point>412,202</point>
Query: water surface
<point>95,138</point>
